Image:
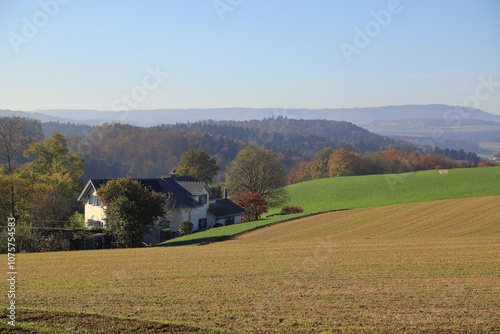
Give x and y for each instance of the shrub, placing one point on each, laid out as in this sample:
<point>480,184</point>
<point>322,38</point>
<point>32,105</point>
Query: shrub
<point>167,233</point>
<point>186,227</point>
<point>254,204</point>
<point>286,210</point>
<point>218,225</point>
<point>229,221</point>
<point>55,242</point>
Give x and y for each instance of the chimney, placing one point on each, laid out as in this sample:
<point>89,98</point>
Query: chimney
<point>173,175</point>
<point>225,192</point>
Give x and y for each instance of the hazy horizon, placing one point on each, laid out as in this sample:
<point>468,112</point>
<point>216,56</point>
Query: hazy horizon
<point>217,54</point>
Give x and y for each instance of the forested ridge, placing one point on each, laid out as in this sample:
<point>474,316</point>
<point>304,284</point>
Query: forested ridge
<point>40,176</point>
<point>118,150</point>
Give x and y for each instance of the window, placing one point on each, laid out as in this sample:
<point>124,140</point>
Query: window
<point>203,199</point>
<point>202,223</point>
<point>94,201</point>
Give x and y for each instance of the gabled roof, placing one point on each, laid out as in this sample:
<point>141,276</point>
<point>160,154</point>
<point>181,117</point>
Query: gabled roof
<point>180,196</point>
<point>223,208</point>
<point>193,187</point>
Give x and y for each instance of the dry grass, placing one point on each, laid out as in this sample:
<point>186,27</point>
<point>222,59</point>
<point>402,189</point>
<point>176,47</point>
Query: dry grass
<point>423,267</point>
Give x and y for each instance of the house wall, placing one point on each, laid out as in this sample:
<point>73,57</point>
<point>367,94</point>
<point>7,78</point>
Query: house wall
<point>193,215</point>
<point>238,219</point>
<point>94,212</point>
<point>212,220</point>
<point>174,216</point>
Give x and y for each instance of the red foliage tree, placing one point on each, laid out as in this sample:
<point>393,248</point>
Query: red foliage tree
<point>254,204</point>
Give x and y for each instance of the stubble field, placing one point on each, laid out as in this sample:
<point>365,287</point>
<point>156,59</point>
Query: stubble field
<point>422,267</point>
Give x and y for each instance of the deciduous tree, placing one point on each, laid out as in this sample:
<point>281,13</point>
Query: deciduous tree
<point>319,168</point>
<point>254,204</point>
<point>55,165</point>
<point>131,209</point>
<point>16,134</point>
<point>199,165</point>
<point>257,170</point>
<point>345,163</point>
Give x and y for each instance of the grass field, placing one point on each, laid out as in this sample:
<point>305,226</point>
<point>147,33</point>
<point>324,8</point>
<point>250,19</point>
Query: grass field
<point>494,146</point>
<point>420,267</point>
<point>369,191</point>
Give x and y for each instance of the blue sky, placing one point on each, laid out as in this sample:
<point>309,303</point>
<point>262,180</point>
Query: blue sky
<point>242,53</point>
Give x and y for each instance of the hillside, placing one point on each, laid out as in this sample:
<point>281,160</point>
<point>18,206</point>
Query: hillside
<point>477,217</point>
<point>354,192</point>
<point>357,116</point>
<point>118,150</point>
<point>413,268</point>
<point>380,190</point>
<point>454,133</point>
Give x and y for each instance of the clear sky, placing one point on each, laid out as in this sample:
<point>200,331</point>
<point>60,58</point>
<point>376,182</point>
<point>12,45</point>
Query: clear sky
<point>69,54</point>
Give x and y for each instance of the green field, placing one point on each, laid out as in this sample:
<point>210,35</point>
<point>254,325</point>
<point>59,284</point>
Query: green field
<point>424,267</point>
<point>493,146</point>
<point>355,192</point>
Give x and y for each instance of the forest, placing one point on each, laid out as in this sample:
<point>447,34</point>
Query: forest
<point>42,173</point>
<point>118,150</point>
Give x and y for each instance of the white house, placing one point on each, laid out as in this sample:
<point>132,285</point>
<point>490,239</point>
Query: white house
<point>191,200</point>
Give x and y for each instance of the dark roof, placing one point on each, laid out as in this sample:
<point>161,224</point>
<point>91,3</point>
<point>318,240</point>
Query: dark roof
<point>223,208</point>
<point>193,187</point>
<point>180,196</point>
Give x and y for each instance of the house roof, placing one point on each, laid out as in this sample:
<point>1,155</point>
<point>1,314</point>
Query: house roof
<point>193,187</point>
<point>180,195</point>
<point>223,208</point>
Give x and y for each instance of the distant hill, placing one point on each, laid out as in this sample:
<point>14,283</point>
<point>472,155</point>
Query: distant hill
<point>357,116</point>
<point>466,134</point>
<point>117,150</point>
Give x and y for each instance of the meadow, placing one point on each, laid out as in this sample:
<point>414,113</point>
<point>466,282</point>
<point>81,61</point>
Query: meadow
<point>414,252</point>
<point>421,267</point>
<point>354,192</point>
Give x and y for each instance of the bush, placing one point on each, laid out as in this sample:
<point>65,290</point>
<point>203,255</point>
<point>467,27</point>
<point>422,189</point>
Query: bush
<point>218,225</point>
<point>167,233</point>
<point>286,210</point>
<point>55,242</point>
<point>186,227</point>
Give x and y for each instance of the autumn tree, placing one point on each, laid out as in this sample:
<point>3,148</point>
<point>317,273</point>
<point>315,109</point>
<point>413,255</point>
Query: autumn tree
<point>254,204</point>
<point>131,209</point>
<point>319,167</point>
<point>345,163</point>
<point>55,165</point>
<point>199,165</point>
<point>257,170</point>
<point>5,204</point>
<point>16,134</point>
<point>47,203</point>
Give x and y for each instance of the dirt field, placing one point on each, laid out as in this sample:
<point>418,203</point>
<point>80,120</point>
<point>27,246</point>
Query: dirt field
<point>424,267</point>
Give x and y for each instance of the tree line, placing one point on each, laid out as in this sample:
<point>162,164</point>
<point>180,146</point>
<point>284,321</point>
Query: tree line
<point>39,177</point>
<point>118,150</point>
<point>50,170</point>
<point>330,162</point>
